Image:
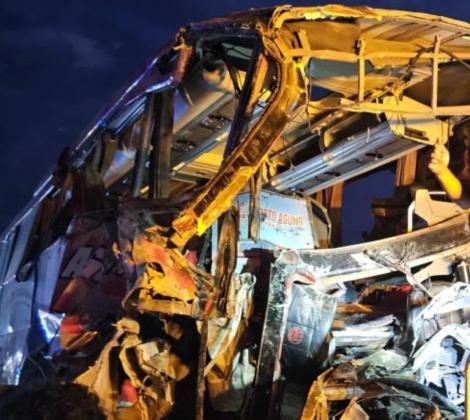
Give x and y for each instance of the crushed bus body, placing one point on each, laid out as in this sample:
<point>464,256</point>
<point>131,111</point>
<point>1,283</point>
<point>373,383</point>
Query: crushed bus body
<point>186,258</point>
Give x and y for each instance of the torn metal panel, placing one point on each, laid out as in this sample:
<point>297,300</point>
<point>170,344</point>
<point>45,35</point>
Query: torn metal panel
<point>167,281</point>
<point>377,397</point>
<point>442,361</point>
<point>419,247</point>
<point>17,299</point>
<point>354,411</point>
<point>283,277</point>
<point>367,335</point>
<point>451,305</point>
<point>309,320</point>
<point>16,245</point>
<point>316,407</point>
<point>13,355</point>
<point>90,284</point>
<point>27,326</point>
<point>431,211</point>
<point>230,372</point>
<point>268,370</point>
<point>226,255</point>
<point>383,363</point>
<point>46,324</point>
<point>150,366</point>
<point>223,330</point>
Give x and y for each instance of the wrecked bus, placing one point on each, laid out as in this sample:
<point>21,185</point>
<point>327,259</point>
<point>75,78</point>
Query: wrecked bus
<point>185,258</point>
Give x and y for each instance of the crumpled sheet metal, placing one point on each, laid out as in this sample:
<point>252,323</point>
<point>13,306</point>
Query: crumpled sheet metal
<point>309,319</point>
<point>285,13</point>
<point>230,393</point>
<point>382,363</point>
<point>167,282</point>
<point>441,362</point>
<point>154,376</point>
<point>451,299</point>
<point>354,412</point>
<point>100,378</point>
<point>222,330</point>
<point>370,334</point>
<point>46,271</point>
<point>428,383</point>
<point>155,357</point>
<point>372,397</point>
<point>316,406</point>
<point>354,262</point>
<point>90,283</point>
<point>13,353</point>
<point>89,264</point>
<point>230,373</point>
<point>15,323</point>
<point>26,324</point>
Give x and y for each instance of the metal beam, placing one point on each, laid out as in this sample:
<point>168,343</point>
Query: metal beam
<point>144,147</point>
<point>160,159</point>
<point>250,92</point>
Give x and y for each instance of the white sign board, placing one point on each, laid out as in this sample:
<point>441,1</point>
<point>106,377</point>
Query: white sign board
<point>285,222</point>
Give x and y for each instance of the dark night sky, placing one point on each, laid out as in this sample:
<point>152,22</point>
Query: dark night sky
<point>61,62</point>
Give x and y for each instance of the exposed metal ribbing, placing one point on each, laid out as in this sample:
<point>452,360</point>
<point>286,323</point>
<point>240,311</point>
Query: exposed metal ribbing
<point>334,157</point>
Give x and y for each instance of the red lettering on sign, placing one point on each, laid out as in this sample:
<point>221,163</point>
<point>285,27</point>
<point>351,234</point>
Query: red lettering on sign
<point>295,335</point>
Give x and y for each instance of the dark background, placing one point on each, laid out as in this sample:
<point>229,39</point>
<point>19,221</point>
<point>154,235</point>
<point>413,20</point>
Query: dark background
<point>61,62</point>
